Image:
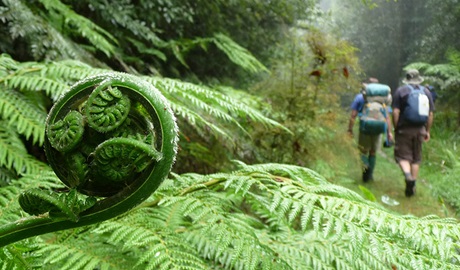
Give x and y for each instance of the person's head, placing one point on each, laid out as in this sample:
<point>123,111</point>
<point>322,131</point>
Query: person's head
<point>372,80</point>
<point>369,80</point>
<point>412,77</point>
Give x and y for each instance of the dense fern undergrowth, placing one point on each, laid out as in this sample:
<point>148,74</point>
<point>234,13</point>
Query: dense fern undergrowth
<point>269,216</point>
<point>261,216</point>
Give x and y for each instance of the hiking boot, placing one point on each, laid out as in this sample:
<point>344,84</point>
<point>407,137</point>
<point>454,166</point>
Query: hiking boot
<point>410,188</point>
<point>367,175</point>
<point>370,177</point>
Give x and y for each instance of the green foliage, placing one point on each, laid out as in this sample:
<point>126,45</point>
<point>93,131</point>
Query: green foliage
<point>14,156</point>
<point>438,39</point>
<point>61,16</point>
<point>204,112</point>
<point>38,36</point>
<point>169,38</point>
<point>268,216</point>
<point>307,92</point>
<point>238,54</point>
<point>442,157</point>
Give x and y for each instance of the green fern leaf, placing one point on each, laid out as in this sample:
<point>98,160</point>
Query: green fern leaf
<point>238,54</point>
<point>97,36</point>
<point>53,88</point>
<point>14,155</point>
<point>28,120</point>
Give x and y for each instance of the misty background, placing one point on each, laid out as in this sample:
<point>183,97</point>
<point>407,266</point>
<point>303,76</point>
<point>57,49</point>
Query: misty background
<point>392,34</point>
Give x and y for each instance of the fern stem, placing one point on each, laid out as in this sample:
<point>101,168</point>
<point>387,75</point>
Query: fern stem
<point>152,163</point>
<point>201,186</point>
<point>183,192</point>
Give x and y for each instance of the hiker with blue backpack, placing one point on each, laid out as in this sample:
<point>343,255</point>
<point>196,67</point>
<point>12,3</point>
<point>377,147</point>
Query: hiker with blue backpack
<point>372,106</point>
<point>413,108</point>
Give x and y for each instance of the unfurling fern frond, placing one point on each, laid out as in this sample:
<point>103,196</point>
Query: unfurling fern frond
<point>9,206</point>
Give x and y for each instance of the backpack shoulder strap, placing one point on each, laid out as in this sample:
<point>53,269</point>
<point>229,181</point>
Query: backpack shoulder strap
<point>361,107</point>
<point>420,88</point>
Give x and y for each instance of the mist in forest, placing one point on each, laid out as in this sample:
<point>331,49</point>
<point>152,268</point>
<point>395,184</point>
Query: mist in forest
<point>392,34</point>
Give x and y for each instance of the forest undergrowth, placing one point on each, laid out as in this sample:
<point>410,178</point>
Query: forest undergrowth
<point>389,181</point>
<point>437,191</point>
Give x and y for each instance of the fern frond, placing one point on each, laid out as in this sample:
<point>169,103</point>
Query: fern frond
<point>266,216</point>
<point>10,210</point>
<point>211,102</point>
<point>443,70</point>
<point>124,14</point>
<point>19,257</point>
<point>297,195</point>
<point>238,54</point>
<point>161,248</point>
<point>70,70</point>
<point>86,255</point>
<point>53,88</point>
<point>97,36</point>
<point>22,114</point>
<point>14,155</point>
<point>143,48</point>
<point>44,41</point>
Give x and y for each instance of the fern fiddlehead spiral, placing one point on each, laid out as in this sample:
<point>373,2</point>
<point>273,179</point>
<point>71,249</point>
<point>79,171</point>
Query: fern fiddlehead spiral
<point>66,133</point>
<point>111,138</point>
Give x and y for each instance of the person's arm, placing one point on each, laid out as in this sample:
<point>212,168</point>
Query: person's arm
<point>389,128</point>
<point>351,123</point>
<point>429,123</point>
<point>396,113</point>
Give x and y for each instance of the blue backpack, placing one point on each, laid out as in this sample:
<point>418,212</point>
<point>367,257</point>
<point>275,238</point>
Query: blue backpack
<point>373,115</point>
<point>417,107</point>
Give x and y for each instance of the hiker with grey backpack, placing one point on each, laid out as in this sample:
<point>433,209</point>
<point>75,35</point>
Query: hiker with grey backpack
<point>372,107</point>
<point>413,109</point>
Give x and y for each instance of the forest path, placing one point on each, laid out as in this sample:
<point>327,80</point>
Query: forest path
<point>389,180</point>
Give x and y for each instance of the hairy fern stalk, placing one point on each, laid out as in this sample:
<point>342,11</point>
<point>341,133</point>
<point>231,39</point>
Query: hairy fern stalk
<point>268,216</point>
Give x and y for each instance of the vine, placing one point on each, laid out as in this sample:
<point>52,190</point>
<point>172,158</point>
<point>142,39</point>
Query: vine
<point>111,139</point>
